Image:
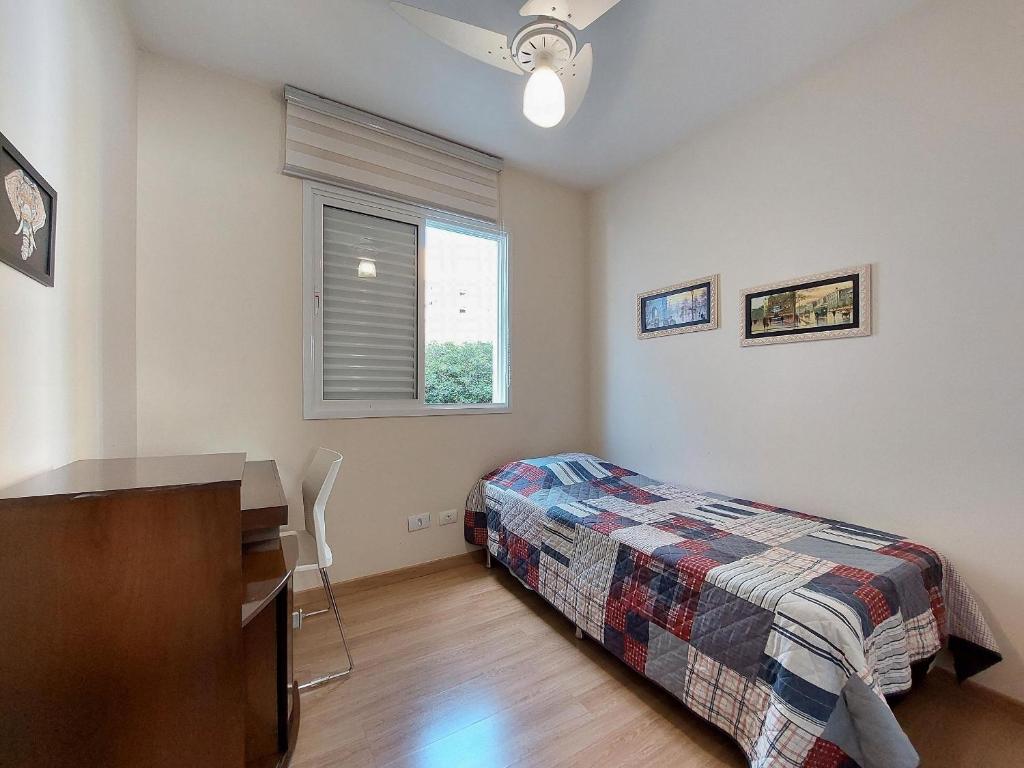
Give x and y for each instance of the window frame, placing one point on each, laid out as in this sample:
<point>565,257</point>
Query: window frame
<point>317,195</point>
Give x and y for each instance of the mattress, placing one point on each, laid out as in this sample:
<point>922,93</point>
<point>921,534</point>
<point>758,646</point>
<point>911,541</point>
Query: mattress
<point>784,629</point>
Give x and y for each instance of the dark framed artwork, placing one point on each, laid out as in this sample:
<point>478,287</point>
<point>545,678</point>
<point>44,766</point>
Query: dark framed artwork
<point>28,208</point>
<point>829,305</point>
<point>681,308</point>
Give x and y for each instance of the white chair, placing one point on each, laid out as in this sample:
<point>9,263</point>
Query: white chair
<point>314,554</point>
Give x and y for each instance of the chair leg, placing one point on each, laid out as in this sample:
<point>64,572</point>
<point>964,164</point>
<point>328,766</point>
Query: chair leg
<point>318,681</point>
<point>487,560</point>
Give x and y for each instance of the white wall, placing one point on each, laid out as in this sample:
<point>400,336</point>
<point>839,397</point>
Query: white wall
<point>67,368</point>
<point>220,335</point>
<point>908,154</point>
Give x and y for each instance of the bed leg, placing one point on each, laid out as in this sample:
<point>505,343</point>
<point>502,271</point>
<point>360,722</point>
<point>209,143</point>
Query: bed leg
<point>487,560</point>
<point>579,633</point>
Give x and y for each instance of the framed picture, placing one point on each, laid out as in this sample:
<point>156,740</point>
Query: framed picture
<point>830,305</point>
<point>681,308</point>
<point>28,207</point>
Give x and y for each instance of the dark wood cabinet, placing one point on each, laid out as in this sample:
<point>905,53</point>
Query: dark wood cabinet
<point>137,630</point>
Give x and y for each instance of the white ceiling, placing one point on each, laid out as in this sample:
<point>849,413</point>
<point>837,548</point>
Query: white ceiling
<point>663,68</point>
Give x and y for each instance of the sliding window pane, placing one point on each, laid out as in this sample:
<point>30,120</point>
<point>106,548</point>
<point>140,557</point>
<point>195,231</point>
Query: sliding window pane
<point>369,307</point>
<point>463,312</point>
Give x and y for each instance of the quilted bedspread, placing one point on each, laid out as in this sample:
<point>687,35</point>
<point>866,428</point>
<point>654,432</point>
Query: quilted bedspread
<point>783,629</point>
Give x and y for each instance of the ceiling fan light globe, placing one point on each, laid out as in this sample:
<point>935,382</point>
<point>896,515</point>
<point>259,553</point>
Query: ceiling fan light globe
<point>544,98</point>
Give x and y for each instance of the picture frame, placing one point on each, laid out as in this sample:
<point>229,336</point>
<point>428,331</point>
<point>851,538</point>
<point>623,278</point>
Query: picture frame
<point>827,305</point>
<point>681,308</point>
<point>28,213</point>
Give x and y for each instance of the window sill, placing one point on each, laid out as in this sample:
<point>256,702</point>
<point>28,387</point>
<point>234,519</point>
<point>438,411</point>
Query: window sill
<point>322,412</point>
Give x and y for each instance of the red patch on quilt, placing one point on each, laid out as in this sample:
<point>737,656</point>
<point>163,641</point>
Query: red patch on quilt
<point>533,576</point>
<point>685,611</point>
<point>617,471</point>
<point>632,593</point>
<point>911,552</point>
<point>635,654</point>
<point>875,602</point>
<point>697,566</point>
<point>825,754</point>
<point>615,614</point>
<point>637,597</point>
<point>525,479</point>
<point>611,486</point>
<point>477,534</point>
<point>856,574</point>
<point>609,521</point>
<point>517,547</point>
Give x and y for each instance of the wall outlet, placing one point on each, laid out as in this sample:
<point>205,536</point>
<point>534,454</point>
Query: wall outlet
<point>419,522</point>
<point>449,516</point>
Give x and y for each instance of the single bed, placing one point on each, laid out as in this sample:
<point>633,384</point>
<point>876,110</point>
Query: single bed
<point>785,630</point>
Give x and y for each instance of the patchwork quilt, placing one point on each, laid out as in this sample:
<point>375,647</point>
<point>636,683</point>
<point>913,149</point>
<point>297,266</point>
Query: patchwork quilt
<point>783,629</point>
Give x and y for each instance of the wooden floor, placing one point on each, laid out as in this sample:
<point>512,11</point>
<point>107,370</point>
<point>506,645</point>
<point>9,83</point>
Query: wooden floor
<point>467,668</point>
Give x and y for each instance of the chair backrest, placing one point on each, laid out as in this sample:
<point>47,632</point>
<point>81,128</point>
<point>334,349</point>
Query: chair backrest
<point>316,490</point>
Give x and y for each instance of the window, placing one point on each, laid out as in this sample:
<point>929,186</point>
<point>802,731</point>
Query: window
<point>405,309</point>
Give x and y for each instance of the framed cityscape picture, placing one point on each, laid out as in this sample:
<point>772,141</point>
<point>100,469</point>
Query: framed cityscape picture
<point>28,206</point>
<point>682,308</point>
<point>830,305</point>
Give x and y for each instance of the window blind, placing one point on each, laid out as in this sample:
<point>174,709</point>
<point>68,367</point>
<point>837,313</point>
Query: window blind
<point>369,323</point>
<point>332,142</point>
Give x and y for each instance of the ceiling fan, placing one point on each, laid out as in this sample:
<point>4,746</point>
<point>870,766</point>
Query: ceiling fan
<point>546,49</point>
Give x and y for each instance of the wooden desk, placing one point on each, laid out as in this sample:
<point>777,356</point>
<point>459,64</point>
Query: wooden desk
<point>272,696</point>
<point>137,630</point>
<point>266,568</point>
<point>264,506</point>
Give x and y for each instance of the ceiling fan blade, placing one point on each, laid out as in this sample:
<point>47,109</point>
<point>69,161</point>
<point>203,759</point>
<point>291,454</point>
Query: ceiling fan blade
<point>579,13</point>
<point>576,79</point>
<point>483,44</point>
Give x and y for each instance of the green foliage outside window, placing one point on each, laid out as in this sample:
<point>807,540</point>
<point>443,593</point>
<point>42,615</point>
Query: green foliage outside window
<point>459,373</point>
